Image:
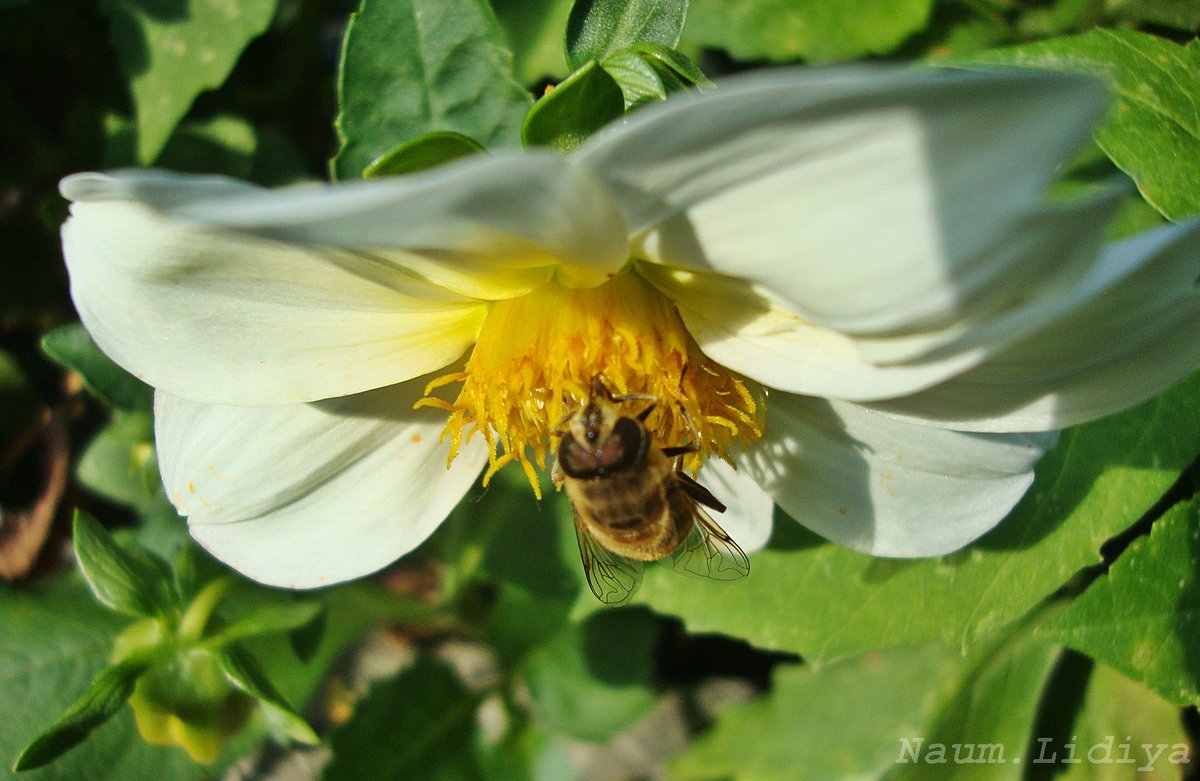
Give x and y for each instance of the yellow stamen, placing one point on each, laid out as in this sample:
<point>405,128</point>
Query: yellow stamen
<point>536,357</point>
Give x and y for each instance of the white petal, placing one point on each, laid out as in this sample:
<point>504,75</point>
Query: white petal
<point>883,486</point>
<point>749,512</point>
<point>225,317</point>
<point>866,198</point>
<point>306,495</point>
<point>1042,268</point>
<point>755,334</point>
<point>1133,332</point>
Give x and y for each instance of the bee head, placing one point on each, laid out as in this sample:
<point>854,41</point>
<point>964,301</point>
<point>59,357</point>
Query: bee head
<point>600,440</point>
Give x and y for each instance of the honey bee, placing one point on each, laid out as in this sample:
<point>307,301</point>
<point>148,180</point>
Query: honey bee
<point>632,505</point>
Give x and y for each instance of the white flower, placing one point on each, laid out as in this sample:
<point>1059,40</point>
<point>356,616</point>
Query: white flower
<point>874,248</point>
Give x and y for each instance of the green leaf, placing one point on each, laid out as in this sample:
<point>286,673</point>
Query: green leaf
<point>172,53</point>
<point>813,30</point>
<point>593,679</point>
<point>1179,14</point>
<point>988,722</point>
<point>72,346</point>
<point>1152,132</point>
<point>1143,617</point>
<point>127,581</point>
<point>528,752</point>
<point>959,31</point>
<point>566,116</point>
<point>119,463</point>
<point>419,724</point>
<point>1118,721</point>
<point>534,29</point>
<point>843,721</point>
<point>244,672</point>
<point>104,697</point>
<point>415,66</point>
<point>225,144</point>
<point>424,151</point>
<point>598,28</point>
<point>823,602</point>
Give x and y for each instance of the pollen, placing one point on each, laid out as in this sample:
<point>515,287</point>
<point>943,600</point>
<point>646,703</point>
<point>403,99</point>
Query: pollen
<point>536,356</point>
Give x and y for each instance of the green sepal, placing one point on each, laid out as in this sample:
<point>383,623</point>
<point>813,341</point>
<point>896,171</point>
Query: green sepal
<point>639,81</point>
<point>597,29</point>
<point>131,581</point>
<point>582,104</point>
<point>269,620</point>
<point>425,151</point>
<point>651,71</point>
<point>72,346</point>
<point>666,60</point>
<point>243,672</point>
<point>107,694</point>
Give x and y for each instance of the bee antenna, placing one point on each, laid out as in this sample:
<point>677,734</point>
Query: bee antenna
<point>599,388</point>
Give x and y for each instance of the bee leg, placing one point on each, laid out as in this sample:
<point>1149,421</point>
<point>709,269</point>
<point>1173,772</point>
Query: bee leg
<point>682,450</point>
<point>699,492</point>
<point>646,412</point>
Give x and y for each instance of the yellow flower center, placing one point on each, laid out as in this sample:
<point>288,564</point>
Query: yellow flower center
<point>537,354</point>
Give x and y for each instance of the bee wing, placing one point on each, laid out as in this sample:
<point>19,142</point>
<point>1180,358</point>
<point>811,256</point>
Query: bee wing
<point>612,578</point>
<point>709,552</point>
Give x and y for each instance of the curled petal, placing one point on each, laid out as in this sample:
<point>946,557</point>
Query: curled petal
<point>886,487</point>
<point>1132,331</point>
<point>754,333</point>
<point>311,494</point>
<point>869,201</point>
